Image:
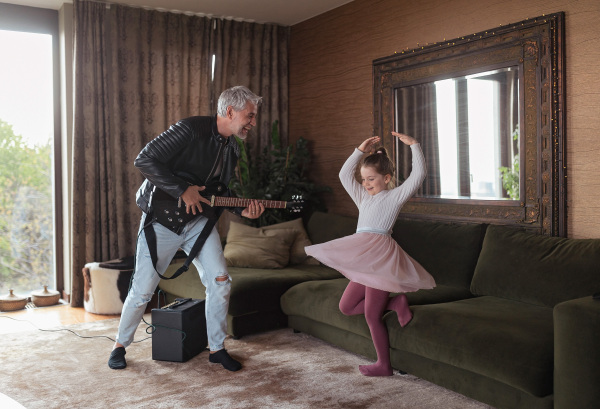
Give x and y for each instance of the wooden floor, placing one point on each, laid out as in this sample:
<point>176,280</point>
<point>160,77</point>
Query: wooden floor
<point>46,317</point>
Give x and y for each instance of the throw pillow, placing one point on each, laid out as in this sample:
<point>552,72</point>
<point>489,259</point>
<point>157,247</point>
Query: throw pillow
<point>258,248</point>
<point>301,240</point>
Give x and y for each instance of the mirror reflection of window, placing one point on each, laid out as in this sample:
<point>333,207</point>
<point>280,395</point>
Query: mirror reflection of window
<point>483,137</point>
<point>446,114</point>
<point>469,128</point>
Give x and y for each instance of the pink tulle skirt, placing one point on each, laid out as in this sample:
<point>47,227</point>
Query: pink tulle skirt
<point>374,260</point>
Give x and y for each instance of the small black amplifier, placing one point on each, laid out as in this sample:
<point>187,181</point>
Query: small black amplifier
<point>179,330</point>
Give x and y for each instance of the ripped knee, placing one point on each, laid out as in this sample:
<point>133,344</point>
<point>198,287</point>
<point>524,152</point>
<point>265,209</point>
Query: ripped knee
<point>223,279</point>
<point>142,300</point>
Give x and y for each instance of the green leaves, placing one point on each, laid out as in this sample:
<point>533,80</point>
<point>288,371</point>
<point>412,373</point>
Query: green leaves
<point>510,179</point>
<point>26,218</point>
<point>278,174</point>
<point>511,176</point>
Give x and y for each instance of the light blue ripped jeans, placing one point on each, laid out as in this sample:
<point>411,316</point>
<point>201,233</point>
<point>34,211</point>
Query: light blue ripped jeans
<point>210,264</point>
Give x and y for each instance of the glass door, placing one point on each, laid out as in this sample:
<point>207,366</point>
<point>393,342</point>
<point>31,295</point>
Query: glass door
<point>27,222</point>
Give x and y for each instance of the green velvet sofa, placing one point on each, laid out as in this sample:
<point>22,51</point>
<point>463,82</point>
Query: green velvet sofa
<point>511,323</point>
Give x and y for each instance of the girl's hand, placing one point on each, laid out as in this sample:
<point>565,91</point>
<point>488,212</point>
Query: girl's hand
<point>367,145</point>
<point>407,140</point>
<point>254,210</point>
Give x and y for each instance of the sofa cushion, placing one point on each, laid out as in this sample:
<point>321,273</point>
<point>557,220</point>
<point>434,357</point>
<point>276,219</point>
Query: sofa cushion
<point>509,341</point>
<point>261,290</point>
<point>301,240</point>
<point>253,247</point>
<point>319,301</point>
<point>324,227</point>
<point>447,251</point>
<point>537,269</point>
<point>441,293</point>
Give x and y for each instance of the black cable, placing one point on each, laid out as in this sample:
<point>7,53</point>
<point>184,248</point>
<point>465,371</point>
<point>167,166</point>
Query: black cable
<point>66,329</point>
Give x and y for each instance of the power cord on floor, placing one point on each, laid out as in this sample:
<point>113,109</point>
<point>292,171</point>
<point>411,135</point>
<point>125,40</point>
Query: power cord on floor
<point>68,330</point>
<point>149,330</point>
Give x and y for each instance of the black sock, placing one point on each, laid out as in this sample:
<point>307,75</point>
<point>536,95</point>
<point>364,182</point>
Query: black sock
<point>117,358</point>
<point>223,358</point>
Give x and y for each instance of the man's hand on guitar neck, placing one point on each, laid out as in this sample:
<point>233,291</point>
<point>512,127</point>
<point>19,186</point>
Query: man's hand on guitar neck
<point>254,210</point>
<point>192,199</point>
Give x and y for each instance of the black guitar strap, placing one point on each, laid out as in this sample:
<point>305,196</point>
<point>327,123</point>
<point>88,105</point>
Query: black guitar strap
<point>211,215</point>
<point>152,245</point>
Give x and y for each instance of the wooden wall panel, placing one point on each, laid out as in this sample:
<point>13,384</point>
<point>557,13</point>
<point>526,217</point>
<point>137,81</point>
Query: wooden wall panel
<point>331,81</point>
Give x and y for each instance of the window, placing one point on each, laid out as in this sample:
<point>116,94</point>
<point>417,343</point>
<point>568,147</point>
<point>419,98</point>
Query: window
<point>28,128</point>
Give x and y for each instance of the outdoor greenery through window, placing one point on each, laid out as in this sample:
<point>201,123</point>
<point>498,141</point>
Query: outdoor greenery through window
<point>26,134</point>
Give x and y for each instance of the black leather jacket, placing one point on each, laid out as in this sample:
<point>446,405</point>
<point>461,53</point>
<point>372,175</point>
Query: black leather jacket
<point>192,147</point>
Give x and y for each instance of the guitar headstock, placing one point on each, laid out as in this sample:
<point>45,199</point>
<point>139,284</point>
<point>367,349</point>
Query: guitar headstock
<point>296,204</point>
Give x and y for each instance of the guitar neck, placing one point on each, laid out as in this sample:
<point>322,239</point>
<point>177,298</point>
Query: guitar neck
<point>241,202</point>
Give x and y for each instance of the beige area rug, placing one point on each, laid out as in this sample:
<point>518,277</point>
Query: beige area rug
<point>281,370</point>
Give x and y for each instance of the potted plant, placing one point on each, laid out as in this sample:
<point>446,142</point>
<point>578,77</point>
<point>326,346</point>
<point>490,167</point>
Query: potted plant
<point>278,174</point>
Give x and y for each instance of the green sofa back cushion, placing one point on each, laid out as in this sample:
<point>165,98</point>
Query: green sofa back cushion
<point>536,269</point>
<point>447,251</point>
<point>324,227</point>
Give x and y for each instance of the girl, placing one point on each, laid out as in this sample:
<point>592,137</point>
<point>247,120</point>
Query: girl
<point>370,258</point>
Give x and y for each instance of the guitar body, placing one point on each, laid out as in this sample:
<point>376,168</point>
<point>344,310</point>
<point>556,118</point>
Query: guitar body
<point>172,213</point>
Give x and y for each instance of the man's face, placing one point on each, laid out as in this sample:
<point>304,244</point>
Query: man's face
<point>244,120</point>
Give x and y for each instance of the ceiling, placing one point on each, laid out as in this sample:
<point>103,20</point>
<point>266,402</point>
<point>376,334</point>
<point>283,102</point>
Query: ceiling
<point>284,12</point>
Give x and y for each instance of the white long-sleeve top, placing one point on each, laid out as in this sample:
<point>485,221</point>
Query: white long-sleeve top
<point>378,213</point>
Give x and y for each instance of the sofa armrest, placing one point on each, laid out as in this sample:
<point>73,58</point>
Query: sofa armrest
<point>577,353</point>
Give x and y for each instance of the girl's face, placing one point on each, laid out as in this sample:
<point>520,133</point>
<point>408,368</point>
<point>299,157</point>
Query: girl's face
<point>372,181</point>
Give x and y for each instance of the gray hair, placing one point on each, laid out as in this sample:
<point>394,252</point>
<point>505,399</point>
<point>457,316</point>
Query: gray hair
<point>236,97</point>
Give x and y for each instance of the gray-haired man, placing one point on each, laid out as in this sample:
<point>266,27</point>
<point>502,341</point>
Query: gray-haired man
<point>199,147</point>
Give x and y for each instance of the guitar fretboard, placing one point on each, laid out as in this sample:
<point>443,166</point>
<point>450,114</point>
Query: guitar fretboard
<point>241,202</point>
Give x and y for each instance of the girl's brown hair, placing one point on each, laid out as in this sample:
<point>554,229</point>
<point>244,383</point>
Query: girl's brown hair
<point>381,162</point>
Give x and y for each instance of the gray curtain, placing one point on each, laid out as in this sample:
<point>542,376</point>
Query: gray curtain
<point>136,72</point>
<point>256,55</point>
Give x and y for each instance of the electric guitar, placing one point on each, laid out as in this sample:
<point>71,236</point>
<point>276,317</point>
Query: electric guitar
<point>171,212</point>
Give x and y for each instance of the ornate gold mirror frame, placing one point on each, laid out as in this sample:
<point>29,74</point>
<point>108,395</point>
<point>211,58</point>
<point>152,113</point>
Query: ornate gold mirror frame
<point>536,46</point>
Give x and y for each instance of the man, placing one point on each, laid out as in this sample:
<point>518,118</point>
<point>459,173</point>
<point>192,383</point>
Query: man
<point>202,149</point>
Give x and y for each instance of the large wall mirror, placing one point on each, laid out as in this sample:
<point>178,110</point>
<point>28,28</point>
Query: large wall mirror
<point>488,110</point>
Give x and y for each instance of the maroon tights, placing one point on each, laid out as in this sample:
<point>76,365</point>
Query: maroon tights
<point>359,299</point>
